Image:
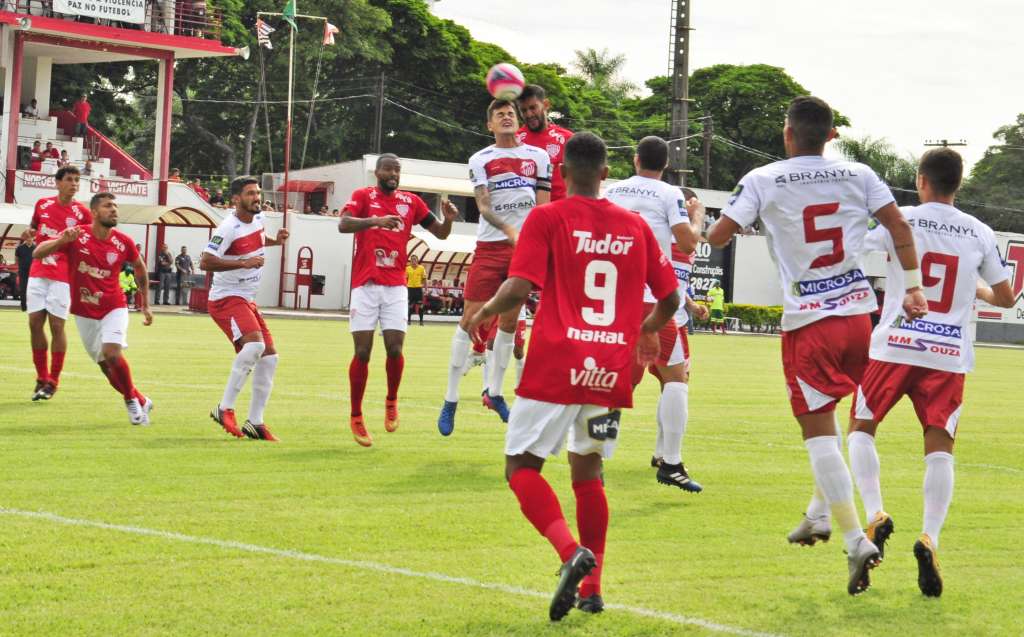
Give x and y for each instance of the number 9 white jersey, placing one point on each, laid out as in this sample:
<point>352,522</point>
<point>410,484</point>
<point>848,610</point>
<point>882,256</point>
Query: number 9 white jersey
<point>815,212</point>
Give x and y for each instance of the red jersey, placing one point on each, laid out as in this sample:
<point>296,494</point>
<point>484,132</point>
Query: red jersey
<point>592,258</point>
<point>95,270</point>
<point>82,110</point>
<point>551,140</point>
<point>380,254</point>
<point>51,218</point>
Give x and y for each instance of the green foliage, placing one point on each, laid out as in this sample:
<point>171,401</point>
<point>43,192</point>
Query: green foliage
<point>896,170</point>
<point>996,181</point>
<point>755,318</point>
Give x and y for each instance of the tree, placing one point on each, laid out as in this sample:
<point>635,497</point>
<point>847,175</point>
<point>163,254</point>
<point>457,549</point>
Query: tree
<point>601,70</point>
<point>899,172</point>
<point>994,193</point>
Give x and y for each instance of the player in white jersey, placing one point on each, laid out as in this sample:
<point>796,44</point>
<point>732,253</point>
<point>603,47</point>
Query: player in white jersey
<point>235,256</point>
<point>670,217</point>
<point>815,212</point>
<point>927,359</point>
<point>509,179</point>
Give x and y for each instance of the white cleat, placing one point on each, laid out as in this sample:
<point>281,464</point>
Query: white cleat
<point>864,558</point>
<point>136,415</point>
<point>474,360</point>
<point>811,531</point>
<point>146,408</point>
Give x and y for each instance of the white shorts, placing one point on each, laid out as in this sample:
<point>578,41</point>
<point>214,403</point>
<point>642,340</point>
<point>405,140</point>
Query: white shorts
<point>53,297</point>
<point>112,328</point>
<point>539,429</point>
<point>372,303</point>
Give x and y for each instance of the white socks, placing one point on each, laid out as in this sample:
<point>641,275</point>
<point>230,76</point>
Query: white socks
<point>245,360</point>
<point>938,492</point>
<point>504,342</point>
<point>520,362</point>
<point>866,471</point>
<point>833,478</point>
<point>818,507</point>
<point>460,352</point>
<point>262,383</point>
<point>672,415</point>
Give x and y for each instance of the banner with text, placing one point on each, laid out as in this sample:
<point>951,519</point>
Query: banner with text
<point>1011,247</point>
<point>710,265</point>
<point>133,11</point>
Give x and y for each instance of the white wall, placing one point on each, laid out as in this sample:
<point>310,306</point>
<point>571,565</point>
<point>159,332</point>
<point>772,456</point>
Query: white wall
<point>332,258</point>
<point>755,278</point>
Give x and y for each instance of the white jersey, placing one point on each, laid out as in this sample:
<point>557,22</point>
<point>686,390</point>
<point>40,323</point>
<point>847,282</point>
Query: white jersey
<point>233,240</point>
<point>512,176</point>
<point>683,265</point>
<point>660,204</point>
<point>815,212</point>
<point>955,250</point>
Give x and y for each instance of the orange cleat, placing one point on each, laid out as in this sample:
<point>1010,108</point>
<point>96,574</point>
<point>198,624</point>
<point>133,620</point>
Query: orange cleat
<point>226,419</point>
<point>359,431</point>
<point>390,415</point>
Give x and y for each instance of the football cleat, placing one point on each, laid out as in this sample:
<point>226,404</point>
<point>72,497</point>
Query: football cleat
<point>226,419</point>
<point>655,462</point>
<point>929,575</point>
<point>390,415</point>
<point>879,530</point>
<point>864,558</point>
<point>446,421</point>
<point>258,432</point>
<point>48,390</point>
<point>592,604</point>
<point>136,415</point>
<point>675,475</point>
<point>811,531</point>
<point>359,432</point>
<point>569,577</point>
<point>37,393</point>
<point>147,406</point>
<point>475,360</point>
<point>495,403</point>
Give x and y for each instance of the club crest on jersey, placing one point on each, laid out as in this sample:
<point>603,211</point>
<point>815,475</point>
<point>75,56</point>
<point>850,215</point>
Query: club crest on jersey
<point>607,245</point>
<point>592,376</point>
<point>528,169</point>
<point>70,222</point>
<point>402,209</point>
<point>553,150</point>
<point>111,258</point>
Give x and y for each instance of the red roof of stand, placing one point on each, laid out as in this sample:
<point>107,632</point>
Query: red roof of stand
<point>305,185</point>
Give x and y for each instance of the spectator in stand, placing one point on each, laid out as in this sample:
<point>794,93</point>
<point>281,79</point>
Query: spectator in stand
<point>268,206</point>
<point>175,175</point>
<point>87,169</point>
<point>32,110</point>
<point>82,109</point>
<point>51,152</point>
<point>23,254</point>
<point>323,211</point>
<point>217,199</point>
<point>334,213</point>
<point>64,160</point>
<point>197,186</point>
<point>164,263</point>
<point>36,162</point>
<point>183,265</point>
<point>308,209</point>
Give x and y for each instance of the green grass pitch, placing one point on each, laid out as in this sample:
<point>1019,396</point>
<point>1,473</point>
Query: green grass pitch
<point>337,537</point>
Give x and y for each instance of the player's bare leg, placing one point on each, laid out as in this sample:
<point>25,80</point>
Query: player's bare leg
<point>461,344</point>
<point>673,413</point>
<point>394,340</point>
<point>250,349</point>
<point>262,384</point>
<point>591,524</point>
<point>866,470</point>
<point>504,343</point>
<point>358,372</point>
<point>538,502</point>
<point>833,478</point>
<point>115,368</point>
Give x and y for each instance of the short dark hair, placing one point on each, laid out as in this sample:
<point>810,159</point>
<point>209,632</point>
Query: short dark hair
<point>496,104</point>
<point>811,120</point>
<point>531,91</point>
<point>238,184</point>
<point>99,197</point>
<point>585,155</point>
<point>67,170</point>
<point>652,152</point>
<point>382,157</point>
<point>944,170</point>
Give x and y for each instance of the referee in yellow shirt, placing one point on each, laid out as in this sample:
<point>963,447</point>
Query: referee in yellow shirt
<point>415,274</point>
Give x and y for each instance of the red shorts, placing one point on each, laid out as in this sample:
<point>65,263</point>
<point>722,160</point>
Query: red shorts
<point>824,361</point>
<point>936,395</point>
<point>492,331</point>
<point>684,337</point>
<point>672,352</point>
<point>488,270</point>
<point>238,317</point>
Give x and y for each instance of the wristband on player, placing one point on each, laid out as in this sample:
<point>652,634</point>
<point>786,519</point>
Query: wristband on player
<point>912,278</point>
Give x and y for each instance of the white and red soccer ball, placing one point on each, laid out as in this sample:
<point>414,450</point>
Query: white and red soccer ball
<point>505,81</point>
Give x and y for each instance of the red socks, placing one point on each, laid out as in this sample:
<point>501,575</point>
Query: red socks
<point>358,371</point>
<point>56,366</point>
<point>592,522</point>
<point>539,504</point>
<point>394,366</point>
<point>120,377</point>
<point>42,367</point>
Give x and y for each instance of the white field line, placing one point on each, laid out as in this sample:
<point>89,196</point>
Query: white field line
<point>369,566</point>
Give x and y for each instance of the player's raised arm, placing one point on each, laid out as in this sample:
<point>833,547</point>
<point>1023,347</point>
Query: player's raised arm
<point>914,303</point>
<point>687,235</point>
<point>46,248</point>
<point>449,212</point>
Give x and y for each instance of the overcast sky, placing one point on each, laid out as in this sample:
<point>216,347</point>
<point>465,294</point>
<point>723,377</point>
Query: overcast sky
<point>908,70</point>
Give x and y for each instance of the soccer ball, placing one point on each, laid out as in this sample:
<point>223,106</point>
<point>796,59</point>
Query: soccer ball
<point>505,81</point>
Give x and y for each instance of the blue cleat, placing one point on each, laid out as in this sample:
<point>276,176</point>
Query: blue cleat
<point>496,403</point>
<point>446,421</point>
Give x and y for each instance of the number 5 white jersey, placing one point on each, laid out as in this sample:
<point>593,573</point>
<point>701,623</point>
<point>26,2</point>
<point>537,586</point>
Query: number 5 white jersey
<point>955,249</point>
<point>815,212</point>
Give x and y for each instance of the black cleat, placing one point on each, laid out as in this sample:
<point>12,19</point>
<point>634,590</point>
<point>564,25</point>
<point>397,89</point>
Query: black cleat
<point>655,462</point>
<point>37,393</point>
<point>48,390</point>
<point>674,475</point>
<point>879,530</point>
<point>593,604</point>
<point>569,577</point>
<point>929,576</point>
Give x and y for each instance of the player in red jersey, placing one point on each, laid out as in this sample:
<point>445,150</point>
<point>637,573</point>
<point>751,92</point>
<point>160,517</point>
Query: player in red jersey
<point>537,130</point>
<point>927,360</point>
<point>95,255</point>
<point>382,218</point>
<point>235,256</point>
<point>48,296</point>
<point>815,211</point>
<point>592,260</point>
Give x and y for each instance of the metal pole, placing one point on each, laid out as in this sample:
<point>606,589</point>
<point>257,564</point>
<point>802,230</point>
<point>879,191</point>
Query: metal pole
<point>680,73</point>
<point>378,134</point>
<point>709,132</point>
<point>287,160</point>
